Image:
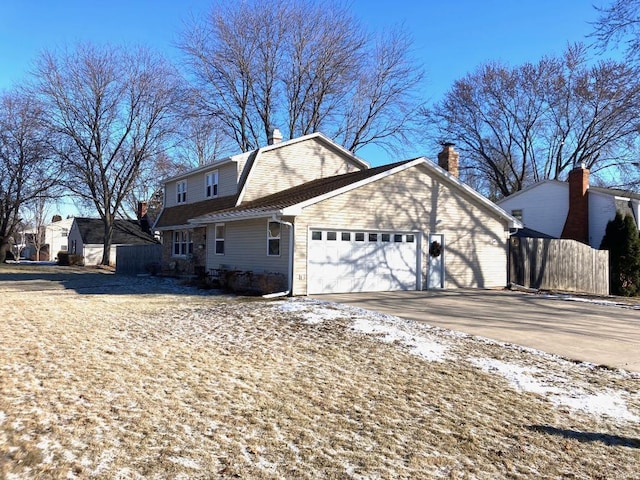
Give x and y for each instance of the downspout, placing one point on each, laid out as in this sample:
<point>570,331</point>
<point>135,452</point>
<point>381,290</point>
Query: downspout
<point>290,268</point>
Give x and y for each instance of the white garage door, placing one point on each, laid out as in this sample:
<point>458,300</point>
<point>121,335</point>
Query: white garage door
<point>361,261</point>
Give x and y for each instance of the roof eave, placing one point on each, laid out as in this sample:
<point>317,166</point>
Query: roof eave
<point>246,215</point>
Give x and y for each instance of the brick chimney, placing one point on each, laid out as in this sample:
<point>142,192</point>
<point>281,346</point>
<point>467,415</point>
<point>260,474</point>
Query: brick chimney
<point>448,159</point>
<point>274,136</point>
<point>576,227</point>
<point>142,210</point>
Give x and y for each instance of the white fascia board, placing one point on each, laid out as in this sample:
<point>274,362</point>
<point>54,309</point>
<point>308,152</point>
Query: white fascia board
<point>353,186</point>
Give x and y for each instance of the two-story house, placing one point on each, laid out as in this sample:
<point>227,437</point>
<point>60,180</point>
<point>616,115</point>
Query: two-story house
<point>571,209</point>
<point>312,211</point>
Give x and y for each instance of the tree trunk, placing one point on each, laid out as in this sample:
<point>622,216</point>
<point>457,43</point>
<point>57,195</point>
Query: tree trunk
<point>108,235</point>
<point>4,247</point>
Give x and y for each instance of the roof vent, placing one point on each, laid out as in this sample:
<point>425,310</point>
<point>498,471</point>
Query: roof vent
<point>274,136</point>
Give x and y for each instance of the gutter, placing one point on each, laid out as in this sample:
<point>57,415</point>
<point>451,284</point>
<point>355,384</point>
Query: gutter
<point>290,268</point>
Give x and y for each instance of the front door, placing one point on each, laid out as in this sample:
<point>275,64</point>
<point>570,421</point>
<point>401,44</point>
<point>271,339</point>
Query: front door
<point>435,275</point>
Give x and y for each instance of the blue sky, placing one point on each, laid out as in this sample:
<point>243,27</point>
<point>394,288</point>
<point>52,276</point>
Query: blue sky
<point>451,37</point>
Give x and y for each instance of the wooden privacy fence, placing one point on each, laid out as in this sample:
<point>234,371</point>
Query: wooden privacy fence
<point>135,259</point>
<point>558,264</point>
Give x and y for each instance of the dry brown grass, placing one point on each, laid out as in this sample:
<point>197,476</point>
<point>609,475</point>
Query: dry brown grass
<point>177,385</point>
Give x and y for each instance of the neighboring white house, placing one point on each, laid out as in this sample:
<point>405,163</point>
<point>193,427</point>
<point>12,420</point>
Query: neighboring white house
<point>311,211</point>
<point>571,209</point>
<point>86,238</point>
<point>57,236</point>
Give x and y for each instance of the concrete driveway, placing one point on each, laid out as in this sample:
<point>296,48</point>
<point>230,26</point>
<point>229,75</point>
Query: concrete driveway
<point>603,334</point>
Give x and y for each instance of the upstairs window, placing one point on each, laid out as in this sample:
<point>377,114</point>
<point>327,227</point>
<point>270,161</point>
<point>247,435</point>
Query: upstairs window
<point>181,189</point>
<point>64,232</point>
<point>211,184</point>
<point>273,238</point>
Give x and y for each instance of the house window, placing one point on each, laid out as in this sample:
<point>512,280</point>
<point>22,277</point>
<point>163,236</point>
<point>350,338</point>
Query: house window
<point>211,184</point>
<point>346,236</point>
<point>181,189</point>
<point>397,238</point>
<point>219,238</point>
<point>386,237</point>
<point>182,243</point>
<point>410,238</point>
<point>64,232</point>
<point>359,237</point>
<point>517,214</point>
<point>316,235</point>
<point>332,235</point>
<point>273,238</point>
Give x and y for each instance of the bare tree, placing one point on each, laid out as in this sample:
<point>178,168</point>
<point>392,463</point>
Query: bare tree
<point>382,106</point>
<point>37,214</point>
<point>302,65</point>
<point>111,110</point>
<point>536,121</point>
<point>28,171</point>
<point>619,23</point>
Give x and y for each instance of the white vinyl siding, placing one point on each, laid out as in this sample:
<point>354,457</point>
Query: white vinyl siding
<point>476,253</point>
<point>245,248</point>
<point>281,168</point>
<point>196,185</point>
<point>602,208</point>
<point>544,207</point>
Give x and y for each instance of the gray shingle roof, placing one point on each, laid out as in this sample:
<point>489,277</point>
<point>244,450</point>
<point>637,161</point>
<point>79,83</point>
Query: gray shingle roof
<point>125,232</point>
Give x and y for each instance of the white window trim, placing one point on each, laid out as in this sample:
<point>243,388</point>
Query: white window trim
<point>181,191</point>
<point>187,239</point>
<point>214,175</point>
<point>269,238</point>
<point>216,238</point>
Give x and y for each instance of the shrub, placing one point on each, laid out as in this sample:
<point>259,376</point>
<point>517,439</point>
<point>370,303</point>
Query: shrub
<point>623,242</point>
<point>66,259</point>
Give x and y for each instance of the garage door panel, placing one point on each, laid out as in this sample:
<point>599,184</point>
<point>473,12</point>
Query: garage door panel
<point>350,265</point>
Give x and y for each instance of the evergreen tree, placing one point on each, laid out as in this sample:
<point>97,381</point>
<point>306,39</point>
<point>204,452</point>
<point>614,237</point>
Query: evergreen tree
<point>623,242</point>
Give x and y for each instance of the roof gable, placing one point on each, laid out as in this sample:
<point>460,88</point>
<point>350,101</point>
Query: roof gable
<point>125,232</point>
<point>291,201</point>
<point>309,167</point>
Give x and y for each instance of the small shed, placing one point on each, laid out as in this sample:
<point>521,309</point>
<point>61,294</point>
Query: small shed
<point>86,237</point>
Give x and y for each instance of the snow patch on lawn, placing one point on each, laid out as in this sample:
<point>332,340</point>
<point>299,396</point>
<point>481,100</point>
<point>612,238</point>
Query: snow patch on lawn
<point>526,379</point>
<point>313,312</point>
<point>185,462</point>
<point>427,348</point>
<point>388,328</point>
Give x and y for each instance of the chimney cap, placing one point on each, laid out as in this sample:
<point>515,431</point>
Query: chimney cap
<point>448,144</point>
